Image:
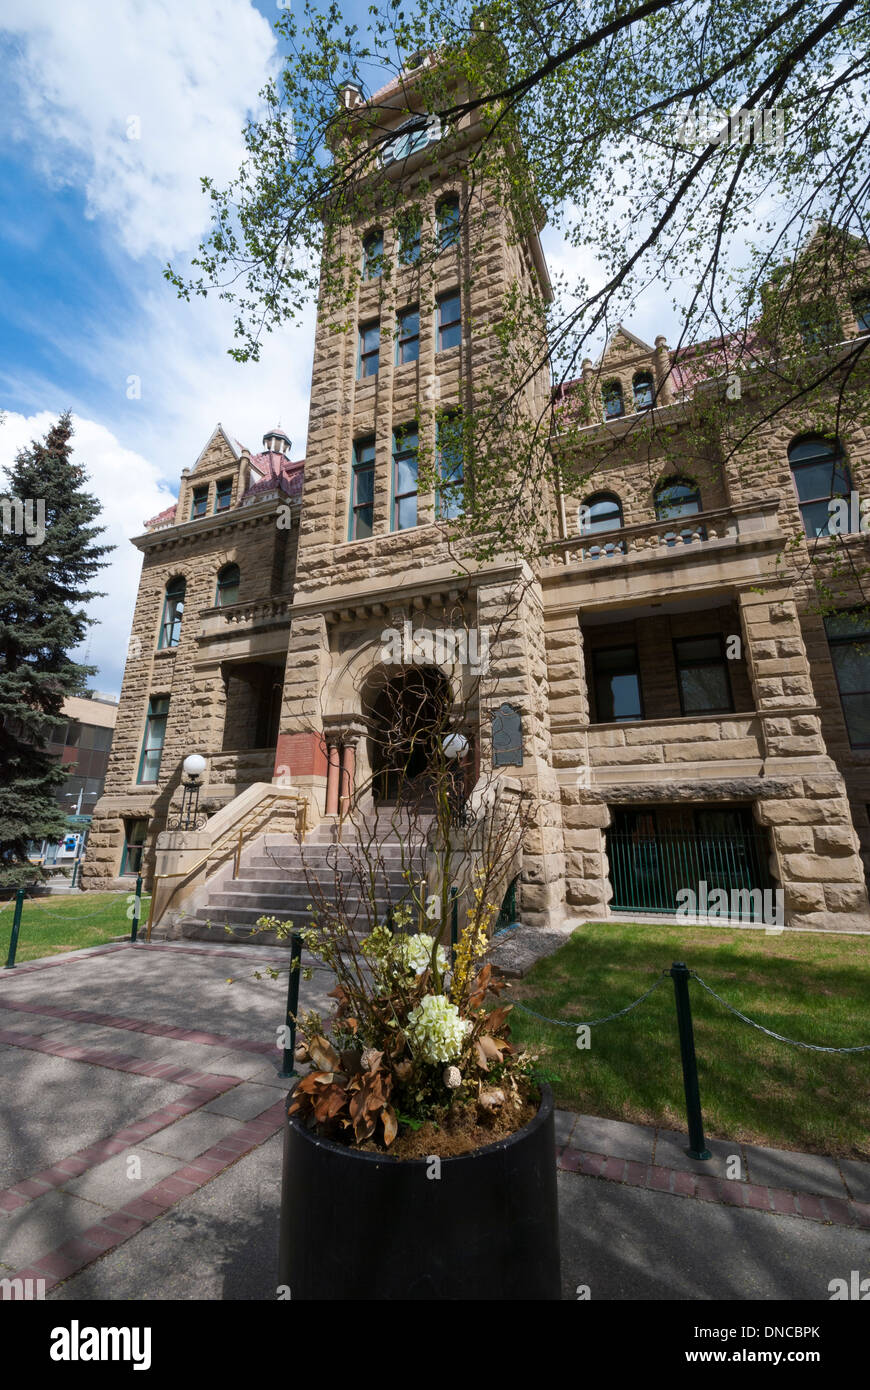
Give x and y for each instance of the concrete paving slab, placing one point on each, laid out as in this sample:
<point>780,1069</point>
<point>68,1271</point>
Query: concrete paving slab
<point>42,1225</point>
<point>52,1106</point>
<point>565,1121</point>
<point>670,1152</point>
<point>857,1175</point>
<point>219,1243</point>
<point>630,1243</point>
<point>599,1136</point>
<point>251,1066</point>
<point>191,1136</point>
<point>111,1183</point>
<point>244,1102</point>
<point>803,1172</point>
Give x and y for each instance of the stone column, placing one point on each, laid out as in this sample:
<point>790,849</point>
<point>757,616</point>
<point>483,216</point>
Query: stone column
<point>332,776</point>
<point>348,763</point>
<point>584,815</point>
<point>815,848</point>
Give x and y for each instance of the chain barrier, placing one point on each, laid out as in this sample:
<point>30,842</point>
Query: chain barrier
<point>793,1042</point>
<point>564,1023</point>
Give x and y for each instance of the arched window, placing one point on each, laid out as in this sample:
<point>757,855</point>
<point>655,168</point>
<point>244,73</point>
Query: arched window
<point>173,608</point>
<point>600,512</point>
<point>227,586</point>
<point>447,217</point>
<point>644,390</point>
<point>676,497</point>
<point>373,254</point>
<point>613,402</point>
<point>820,473</point>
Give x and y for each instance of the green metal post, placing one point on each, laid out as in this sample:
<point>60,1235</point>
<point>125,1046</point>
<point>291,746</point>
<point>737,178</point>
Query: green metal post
<point>288,1068</point>
<point>16,926</point>
<point>137,908</point>
<point>697,1147</point>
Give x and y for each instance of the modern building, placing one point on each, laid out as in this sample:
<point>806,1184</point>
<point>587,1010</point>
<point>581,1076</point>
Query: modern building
<point>685,715</point>
<point>81,744</point>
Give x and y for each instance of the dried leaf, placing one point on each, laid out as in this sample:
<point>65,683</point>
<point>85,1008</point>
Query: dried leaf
<point>323,1054</point>
<point>391,1124</point>
<point>403,1070</point>
<point>490,1049</point>
<point>371,1059</point>
<point>496,1020</point>
<point>480,1056</point>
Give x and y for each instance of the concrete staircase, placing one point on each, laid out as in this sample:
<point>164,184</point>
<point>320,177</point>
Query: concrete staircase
<point>277,878</point>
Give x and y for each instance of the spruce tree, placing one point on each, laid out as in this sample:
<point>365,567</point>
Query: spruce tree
<point>44,591</point>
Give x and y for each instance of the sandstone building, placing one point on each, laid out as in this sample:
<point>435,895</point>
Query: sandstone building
<point>686,714</point>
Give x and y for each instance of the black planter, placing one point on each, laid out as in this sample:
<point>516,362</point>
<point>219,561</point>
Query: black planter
<point>365,1226</point>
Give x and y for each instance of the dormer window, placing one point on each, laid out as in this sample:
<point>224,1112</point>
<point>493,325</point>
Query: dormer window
<point>223,494</point>
<point>199,504</point>
<point>613,402</point>
<point>642,387</point>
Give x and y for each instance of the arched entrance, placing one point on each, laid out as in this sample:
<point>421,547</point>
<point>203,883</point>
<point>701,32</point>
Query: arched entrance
<point>408,716</point>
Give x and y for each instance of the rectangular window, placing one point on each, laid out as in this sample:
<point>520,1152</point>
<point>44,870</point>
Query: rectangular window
<point>152,744</point>
<point>449,321</point>
<point>362,494</point>
<point>451,473</point>
<point>199,506</point>
<point>617,684</point>
<point>369,349</point>
<point>849,641</point>
<point>861,309</point>
<point>134,846</point>
<point>404,478</point>
<point>702,675</point>
<point>223,494</point>
<point>408,337</point>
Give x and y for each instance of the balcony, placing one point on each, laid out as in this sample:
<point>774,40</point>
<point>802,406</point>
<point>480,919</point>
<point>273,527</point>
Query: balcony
<point>745,522</point>
<point>258,615</point>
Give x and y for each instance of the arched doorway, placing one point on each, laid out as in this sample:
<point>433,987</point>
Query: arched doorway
<point>408,716</point>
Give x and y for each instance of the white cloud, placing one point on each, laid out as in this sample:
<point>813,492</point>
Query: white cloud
<point>188,73</point>
<point>130,491</point>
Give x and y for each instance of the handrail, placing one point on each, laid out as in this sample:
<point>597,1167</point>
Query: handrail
<point>301,823</point>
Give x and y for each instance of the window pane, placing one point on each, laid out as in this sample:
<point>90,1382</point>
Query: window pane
<point>704,688</point>
<point>617,684</point>
<point>856,709</point>
<point>861,306</point>
<point>406,512</point>
<point>816,518</point>
<point>406,475</point>
<point>451,336</point>
<point>200,502</point>
<point>851,625</point>
<point>852,665</point>
<point>643,393</point>
<point>448,223</point>
<point>362,523</point>
<point>814,480</point>
<point>365,486</point>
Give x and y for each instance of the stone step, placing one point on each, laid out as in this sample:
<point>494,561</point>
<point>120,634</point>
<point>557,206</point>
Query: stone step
<point>288,902</point>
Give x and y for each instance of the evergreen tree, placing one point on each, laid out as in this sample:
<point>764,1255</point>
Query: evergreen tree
<point>48,555</point>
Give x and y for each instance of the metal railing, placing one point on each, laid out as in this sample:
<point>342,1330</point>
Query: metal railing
<point>648,870</point>
<point>230,843</point>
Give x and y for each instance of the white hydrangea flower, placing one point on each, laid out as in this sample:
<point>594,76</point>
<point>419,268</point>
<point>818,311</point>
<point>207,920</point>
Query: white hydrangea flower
<point>415,953</point>
<point>435,1030</point>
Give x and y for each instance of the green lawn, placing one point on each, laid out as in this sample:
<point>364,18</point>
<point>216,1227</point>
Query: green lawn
<point>812,987</point>
<point>52,925</point>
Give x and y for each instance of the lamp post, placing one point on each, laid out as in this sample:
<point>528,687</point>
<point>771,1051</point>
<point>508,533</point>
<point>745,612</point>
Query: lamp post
<point>193,766</point>
<point>454,747</point>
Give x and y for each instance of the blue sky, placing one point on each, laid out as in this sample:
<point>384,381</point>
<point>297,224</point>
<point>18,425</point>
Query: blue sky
<point>88,218</point>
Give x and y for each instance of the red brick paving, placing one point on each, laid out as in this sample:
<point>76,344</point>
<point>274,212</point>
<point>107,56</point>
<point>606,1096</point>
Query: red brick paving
<point>704,1187</point>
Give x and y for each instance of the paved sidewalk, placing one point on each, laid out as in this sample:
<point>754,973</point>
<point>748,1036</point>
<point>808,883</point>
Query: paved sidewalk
<point>140,1152</point>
